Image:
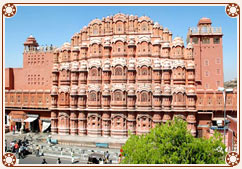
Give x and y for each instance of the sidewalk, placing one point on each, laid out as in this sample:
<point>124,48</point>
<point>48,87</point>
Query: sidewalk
<point>82,141</point>
<point>88,141</point>
<point>82,146</point>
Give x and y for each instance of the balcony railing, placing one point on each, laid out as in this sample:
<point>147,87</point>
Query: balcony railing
<point>205,30</point>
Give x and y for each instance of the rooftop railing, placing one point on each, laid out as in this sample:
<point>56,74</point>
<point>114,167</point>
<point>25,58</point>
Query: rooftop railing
<point>204,30</point>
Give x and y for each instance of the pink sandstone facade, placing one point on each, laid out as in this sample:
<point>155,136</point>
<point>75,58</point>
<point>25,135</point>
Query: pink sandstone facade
<point>122,73</point>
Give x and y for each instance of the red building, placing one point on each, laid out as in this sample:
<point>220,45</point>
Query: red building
<point>122,73</point>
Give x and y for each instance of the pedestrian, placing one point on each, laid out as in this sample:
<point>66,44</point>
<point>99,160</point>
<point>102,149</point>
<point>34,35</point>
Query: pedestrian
<point>16,147</point>
<point>6,146</point>
<point>21,152</point>
<point>100,161</point>
<point>72,157</point>
<point>37,151</point>
<point>106,156</point>
<point>44,161</point>
<point>58,161</point>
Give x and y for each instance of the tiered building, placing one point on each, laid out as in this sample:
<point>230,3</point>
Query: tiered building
<point>125,73</point>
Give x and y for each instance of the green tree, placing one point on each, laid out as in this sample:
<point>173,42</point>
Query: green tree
<point>172,143</point>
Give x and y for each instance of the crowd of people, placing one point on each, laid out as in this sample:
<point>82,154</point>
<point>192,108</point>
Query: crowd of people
<point>20,147</point>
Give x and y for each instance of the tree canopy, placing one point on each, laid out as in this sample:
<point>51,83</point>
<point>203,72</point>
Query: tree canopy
<point>172,143</point>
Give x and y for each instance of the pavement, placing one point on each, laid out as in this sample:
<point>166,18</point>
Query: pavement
<point>32,159</point>
<point>82,146</point>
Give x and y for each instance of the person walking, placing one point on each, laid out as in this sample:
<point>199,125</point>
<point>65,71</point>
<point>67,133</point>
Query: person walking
<point>58,161</point>
<point>72,157</point>
<point>44,161</point>
<point>37,151</point>
<point>106,156</point>
<point>16,147</point>
<point>21,152</point>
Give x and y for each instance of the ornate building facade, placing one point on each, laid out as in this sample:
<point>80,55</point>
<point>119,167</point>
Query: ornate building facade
<point>126,73</point>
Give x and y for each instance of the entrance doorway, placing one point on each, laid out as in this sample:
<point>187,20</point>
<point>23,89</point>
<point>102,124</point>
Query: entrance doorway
<point>34,126</point>
<point>18,126</point>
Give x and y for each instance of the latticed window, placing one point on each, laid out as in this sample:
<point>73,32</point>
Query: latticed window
<point>144,27</point>
<point>180,97</point>
<point>95,30</point>
<point>229,100</point>
<point>219,100</point>
<point>205,40</point>
<point>118,96</point>
<point>11,99</point>
<point>92,96</point>
<point>144,71</point>
<point>40,99</point>
<point>119,26</point>
<point>25,99</point>
<point>144,97</point>
<point>118,71</point>
<point>94,72</point>
<point>144,46</point>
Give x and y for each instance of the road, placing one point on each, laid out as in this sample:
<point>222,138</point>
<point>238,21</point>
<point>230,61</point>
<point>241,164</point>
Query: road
<point>32,159</point>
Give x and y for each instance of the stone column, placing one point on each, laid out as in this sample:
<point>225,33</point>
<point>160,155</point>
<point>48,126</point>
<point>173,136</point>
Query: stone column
<point>156,119</point>
<point>82,124</point>
<point>131,122</point>
<point>73,123</point>
<point>54,122</point>
<point>191,120</point>
<point>106,124</point>
<point>166,117</point>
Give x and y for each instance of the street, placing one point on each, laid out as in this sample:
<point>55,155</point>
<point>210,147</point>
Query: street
<point>32,159</point>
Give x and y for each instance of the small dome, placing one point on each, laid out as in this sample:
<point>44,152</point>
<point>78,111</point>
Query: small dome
<point>204,21</point>
<point>166,30</point>
<point>166,45</point>
<point>189,46</point>
<point>177,42</point>
<point>157,42</point>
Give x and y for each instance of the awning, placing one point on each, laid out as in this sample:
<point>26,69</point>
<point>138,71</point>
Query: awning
<point>30,119</point>
<point>218,118</point>
<point>16,120</point>
<point>45,125</point>
<point>205,112</point>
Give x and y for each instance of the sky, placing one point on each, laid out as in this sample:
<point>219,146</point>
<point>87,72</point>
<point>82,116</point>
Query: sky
<point>56,25</point>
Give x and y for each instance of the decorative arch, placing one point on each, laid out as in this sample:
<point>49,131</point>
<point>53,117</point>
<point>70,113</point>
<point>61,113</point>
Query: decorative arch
<point>180,97</point>
<point>144,26</point>
<point>144,71</point>
<point>118,95</point>
<point>119,27</point>
<point>144,96</point>
<point>92,96</point>
<point>95,28</point>
<point>118,71</point>
<point>94,72</point>
<point>119,45</point>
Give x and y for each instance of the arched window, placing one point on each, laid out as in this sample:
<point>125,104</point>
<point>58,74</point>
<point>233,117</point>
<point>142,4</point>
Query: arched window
<point>95,48</point>
<point>120,47</point>
<point>95,29</point>
<point>118,96</point>
<point>119,27</point>
<point>144,27</point>
<point>118,71</point>
<point>144,47</point>
<point>144,97</point>
<point>92,96</point>
<point>94,72</point>
<point>144,71</point>
<point>180,97</point>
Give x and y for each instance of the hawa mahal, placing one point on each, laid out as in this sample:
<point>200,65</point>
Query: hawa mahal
<point>120,74</point>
